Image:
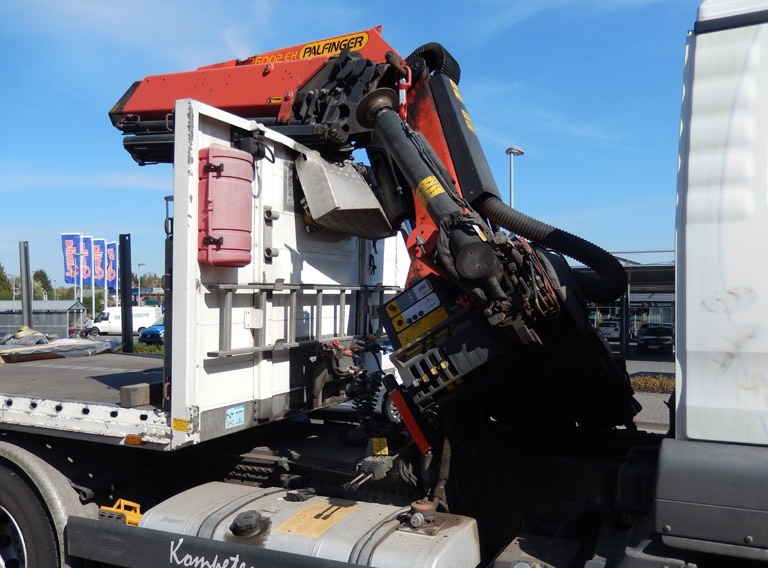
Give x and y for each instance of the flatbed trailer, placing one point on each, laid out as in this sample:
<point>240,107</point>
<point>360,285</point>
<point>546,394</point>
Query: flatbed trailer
<point>92,398</point>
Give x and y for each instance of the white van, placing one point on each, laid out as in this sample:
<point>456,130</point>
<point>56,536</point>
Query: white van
<point>109,321</point>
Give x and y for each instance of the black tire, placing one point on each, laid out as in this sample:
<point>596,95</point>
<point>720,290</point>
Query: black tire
<point>27,536</point>
<point>390,411</point>
<point>94,332</point>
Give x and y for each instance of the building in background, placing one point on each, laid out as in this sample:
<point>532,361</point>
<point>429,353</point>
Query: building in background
<point>52,317</point>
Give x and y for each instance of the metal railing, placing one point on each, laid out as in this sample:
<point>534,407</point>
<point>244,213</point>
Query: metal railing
<point>366,298</point>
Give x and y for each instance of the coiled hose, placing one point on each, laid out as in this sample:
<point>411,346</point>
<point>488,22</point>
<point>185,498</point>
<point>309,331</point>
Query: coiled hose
<point>610,280</point>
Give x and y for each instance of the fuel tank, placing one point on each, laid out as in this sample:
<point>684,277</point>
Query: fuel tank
<point>299,522</point>
<point>225,206</point>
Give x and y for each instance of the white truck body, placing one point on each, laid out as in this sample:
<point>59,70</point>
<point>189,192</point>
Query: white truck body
<point>722,353</point>
<point>110,320</point>
<point>233,328</point>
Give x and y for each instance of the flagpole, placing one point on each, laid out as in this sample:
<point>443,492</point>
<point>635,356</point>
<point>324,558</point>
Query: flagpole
<point>105,265</point>
<point>93,282</point>
<point>117,274</point>
<point>80,265</point>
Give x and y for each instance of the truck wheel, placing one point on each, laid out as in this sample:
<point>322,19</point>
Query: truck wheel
<point>94,332</point>
<point>27,538</point>
<point>390,410</point>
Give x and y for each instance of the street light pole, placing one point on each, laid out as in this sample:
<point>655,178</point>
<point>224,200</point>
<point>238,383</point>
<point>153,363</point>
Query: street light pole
<point>512,151</point>
<point>138,296</point>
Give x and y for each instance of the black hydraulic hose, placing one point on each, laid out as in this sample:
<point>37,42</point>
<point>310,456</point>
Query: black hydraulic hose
<point>610,280</point>
<point>398,142</point>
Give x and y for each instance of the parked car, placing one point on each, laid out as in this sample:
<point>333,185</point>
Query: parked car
<point>610,329</point>
<point>646,326</point>
<point>656,338</point>
<point>641,330</point>
<point>154,334</point>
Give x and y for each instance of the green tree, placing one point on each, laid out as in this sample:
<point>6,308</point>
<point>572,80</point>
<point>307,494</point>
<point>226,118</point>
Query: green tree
<point>149,280</point>
<point>38,293</point>
<point>99,302</point>
<point>41,276</point>
<point>6,293</point>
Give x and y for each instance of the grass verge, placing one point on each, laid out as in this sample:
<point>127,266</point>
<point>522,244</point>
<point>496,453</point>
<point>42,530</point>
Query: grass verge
<point>147,349</point>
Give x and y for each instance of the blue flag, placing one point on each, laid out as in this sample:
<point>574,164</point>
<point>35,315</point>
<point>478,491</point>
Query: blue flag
<point>112,265</point>
<point>70,245</point>
<point>86,261</point>
<point>99,262</point>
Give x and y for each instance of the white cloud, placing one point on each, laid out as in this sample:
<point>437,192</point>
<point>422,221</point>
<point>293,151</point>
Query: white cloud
<point>185,34</point>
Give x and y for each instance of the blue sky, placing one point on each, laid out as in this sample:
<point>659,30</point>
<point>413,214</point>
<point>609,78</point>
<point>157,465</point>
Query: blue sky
<point>590,89</point>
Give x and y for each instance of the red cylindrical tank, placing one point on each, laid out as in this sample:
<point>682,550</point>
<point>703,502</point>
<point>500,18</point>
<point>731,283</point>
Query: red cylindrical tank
<point>225,223</point>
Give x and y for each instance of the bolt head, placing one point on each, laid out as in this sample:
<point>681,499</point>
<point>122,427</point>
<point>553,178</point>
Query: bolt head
<point>416,520</point>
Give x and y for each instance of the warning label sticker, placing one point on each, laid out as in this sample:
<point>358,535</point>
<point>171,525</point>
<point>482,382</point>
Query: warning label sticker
<point>380,446</point>
<point>428,188</point>
<point>317,518</point>
<point>180,425</point>
<point>423,325</point>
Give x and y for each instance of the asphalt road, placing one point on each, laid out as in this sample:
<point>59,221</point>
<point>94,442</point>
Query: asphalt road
<point>656,363</point>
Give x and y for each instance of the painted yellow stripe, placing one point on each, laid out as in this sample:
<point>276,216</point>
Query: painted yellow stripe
<point>456,92</point>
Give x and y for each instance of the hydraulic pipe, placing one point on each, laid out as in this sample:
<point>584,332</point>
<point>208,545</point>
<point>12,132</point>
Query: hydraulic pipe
<point>472,257</point>
<point>399,143</point>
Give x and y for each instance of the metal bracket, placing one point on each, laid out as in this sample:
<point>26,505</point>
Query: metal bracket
<point>218,168</point>
<point>270,215</point>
